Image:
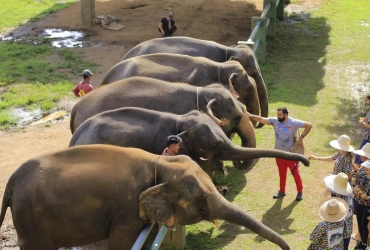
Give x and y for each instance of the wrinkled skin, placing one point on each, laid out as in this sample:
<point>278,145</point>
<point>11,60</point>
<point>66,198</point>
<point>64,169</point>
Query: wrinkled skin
<point>211,50</point>
<point>89,193</point>
<point>148,130</point>
<point>197,71</point>
<point>168,97</point>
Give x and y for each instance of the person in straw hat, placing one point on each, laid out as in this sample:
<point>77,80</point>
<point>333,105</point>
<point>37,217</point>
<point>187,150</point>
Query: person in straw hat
<point>363,154</point>
<point>364,122</point>
<point>343,159</point>
<point>362,197</point>
<point>329,234</point>
<point>340,188</point>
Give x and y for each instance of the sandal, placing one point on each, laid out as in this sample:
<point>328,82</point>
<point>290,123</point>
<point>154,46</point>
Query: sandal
<point>353,238</point>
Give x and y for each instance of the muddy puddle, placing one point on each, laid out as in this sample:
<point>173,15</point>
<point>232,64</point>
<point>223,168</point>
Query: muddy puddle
<point>59,38</point>
<point>26,117</point>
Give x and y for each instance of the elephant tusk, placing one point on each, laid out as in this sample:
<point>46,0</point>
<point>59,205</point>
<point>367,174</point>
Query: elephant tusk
<point>204,159</point>
<point>216,224</point>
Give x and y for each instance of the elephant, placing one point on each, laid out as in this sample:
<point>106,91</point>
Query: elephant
<point>202,139</point>
<point>197,71</point>
<point>211,50</point>
<point>164,96</point>
<point>85,194</point>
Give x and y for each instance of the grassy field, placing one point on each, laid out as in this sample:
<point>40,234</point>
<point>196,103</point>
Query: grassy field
<point>33,76</point>
<point>314,69</point>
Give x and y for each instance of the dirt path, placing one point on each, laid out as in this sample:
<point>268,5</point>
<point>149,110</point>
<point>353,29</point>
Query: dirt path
<point>223,21</point>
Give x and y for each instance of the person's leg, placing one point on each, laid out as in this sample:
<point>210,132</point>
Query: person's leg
<point>362,222</point>
<point>356,236</point>
<point>294,169</point>
<point>346,243</point>
<point>173,30</point>
<point>283,168</point>
<point>357,158</point>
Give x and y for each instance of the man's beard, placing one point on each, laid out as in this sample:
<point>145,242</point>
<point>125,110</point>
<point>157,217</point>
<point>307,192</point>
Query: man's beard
<point>281,119</point>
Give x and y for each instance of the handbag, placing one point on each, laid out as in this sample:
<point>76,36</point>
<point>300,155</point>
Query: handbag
<point>298,146</point>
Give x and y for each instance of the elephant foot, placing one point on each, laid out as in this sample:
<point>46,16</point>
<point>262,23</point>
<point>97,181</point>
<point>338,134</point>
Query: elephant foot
<point>224,190</point>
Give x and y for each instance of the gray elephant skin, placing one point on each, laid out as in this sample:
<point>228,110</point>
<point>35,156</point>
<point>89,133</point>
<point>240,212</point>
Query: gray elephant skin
<point>89,193</point>
<point>197,71</point>
<point>211,50</point>
<point>203,140</point>
<point>164,96</point>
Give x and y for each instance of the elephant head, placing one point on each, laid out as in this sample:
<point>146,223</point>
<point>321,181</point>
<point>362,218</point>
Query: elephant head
<point>243,84</point>
<point>207,144</point>
<point>187,195</point>
<point>245,56</point>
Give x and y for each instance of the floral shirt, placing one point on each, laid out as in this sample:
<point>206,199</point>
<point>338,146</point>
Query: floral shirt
<point>363,183</point>
<point>329,236</point>
<point>343,165</point>
<point>165,152</point>
<point>367,130</point>
<point>349,200</point>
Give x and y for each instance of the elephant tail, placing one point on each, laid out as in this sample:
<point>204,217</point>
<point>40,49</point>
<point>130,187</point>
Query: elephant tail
<point>6,199</point>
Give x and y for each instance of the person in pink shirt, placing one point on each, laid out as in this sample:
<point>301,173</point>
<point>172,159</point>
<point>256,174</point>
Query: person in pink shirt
<point>84,87</point>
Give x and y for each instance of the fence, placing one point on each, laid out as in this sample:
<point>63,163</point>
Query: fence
<point>171,240</point>
<point>264,26</point>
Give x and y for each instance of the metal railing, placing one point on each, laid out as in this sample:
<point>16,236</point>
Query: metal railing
<point>264,26</point>
<point>177,239</point>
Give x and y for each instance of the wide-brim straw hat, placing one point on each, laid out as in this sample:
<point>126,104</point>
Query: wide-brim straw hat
<point>366,164</point>
<point>333,209</point>
<point>343,143</point>
<point>338,184</point>
<point>364,151</point>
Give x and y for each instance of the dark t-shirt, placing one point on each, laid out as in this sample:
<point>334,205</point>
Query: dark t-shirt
<point>164,22</point>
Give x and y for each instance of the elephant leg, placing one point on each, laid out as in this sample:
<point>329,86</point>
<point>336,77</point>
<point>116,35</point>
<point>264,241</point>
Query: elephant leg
<point>123,236</point>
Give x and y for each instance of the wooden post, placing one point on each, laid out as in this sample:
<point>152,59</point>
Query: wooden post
<point>87,12</point>
<point>280,10</point>
<point>175,240</point>
<point>271,18</point>
<point>260,39</point>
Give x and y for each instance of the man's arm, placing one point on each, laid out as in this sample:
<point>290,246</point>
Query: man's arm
<point>76,90</point>
<point>257,118</point>
<point>307,127</point>
<point>160,26</point>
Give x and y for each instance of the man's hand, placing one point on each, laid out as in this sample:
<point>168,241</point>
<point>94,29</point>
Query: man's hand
<point>163,34</point>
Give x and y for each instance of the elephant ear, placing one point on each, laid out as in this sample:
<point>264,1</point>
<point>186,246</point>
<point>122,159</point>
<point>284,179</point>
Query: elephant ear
<point>232,82</point>
<point>154,205</point>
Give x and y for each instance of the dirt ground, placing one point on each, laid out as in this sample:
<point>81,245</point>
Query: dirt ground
<point>222,21</point>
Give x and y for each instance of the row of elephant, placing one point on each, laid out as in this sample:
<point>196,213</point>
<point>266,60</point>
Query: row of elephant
<point>92,192</point>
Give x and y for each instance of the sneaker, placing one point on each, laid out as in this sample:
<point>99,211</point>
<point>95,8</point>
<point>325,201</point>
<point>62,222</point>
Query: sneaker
<point>299,197</point>
<point>278,195</point>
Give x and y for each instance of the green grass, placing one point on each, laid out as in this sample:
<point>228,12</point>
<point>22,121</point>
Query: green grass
<point>310,69</point>
<point>34,75</point>
<point>16,12</point>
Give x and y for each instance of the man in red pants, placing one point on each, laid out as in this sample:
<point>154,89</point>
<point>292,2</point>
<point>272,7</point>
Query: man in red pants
<point>285,132</point>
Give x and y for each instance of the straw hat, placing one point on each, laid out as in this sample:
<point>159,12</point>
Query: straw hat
<point>343,143</point>
<point>364,151</point>
<point>366,164</point>
<point>333,209</point>
<point>338,184</point>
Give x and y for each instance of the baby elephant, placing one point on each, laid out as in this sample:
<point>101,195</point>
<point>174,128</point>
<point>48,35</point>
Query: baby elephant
<point>89,193</point>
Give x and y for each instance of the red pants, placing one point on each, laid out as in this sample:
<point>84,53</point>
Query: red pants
<point>283,166</point>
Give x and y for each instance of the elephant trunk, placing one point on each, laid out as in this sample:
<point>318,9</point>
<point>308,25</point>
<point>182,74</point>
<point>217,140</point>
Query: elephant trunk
<point>262,96</point>
<point>235,153</point>
<point>251,100</point>
<point>228,212</point>
<point>246,133</point>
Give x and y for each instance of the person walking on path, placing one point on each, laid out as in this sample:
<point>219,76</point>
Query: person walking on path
<point>343,159</point>
<point>329,234</point>
<point>84,87</point>
<point>340,188</point>
<point>285,132</point>
<point>365,123</point>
